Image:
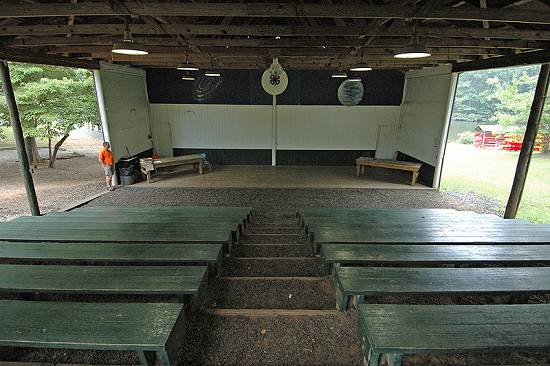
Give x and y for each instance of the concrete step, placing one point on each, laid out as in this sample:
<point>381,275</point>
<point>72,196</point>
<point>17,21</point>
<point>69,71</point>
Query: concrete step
<point>272,267</point>
<point>273,250</point>
<point>264,293</point>
<point>216,339</point>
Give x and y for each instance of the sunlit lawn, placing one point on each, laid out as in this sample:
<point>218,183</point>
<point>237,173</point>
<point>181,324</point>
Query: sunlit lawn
<point>491,172</point>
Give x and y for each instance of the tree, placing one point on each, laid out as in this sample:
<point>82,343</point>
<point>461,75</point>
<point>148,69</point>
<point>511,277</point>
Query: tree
<point>514,105</point>
<point>52,102</point>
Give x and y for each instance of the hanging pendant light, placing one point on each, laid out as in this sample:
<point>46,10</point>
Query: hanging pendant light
<point>414,49</point>
<point>339,74</point>
<point>187,66</point>
<point>128,46</point>
<point>188,77</point>
<point>212,72</point>
<point>361,68</point>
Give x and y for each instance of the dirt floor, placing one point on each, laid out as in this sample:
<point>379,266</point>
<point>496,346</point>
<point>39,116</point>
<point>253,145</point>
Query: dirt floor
<point>75,177</point>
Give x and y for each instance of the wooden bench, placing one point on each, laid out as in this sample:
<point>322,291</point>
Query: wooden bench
<point>419,255</point>
<point>45,230</point>
<point>148,166</point>
<point>383,281</point>
<point>113,253</point>
<point>502,234</point>
<point>391,331</point>
<point>309,217</point>
<point>182,282</point>
<point>364,162</point>
<point>89,326</point>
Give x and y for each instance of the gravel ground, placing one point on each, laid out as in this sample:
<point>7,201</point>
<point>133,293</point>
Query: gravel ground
<point>70,181</point>
<point>274,268</point>
<point>275,294</point>
<point>287,201</point>
<point>278,340</point>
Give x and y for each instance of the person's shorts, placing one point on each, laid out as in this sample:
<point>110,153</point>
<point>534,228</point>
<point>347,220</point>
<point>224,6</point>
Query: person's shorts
<point>108,170</point>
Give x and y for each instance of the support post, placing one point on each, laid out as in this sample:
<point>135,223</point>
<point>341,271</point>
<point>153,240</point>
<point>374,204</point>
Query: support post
<point>274,132</point>
<point>528,142</point>
<point>19,139</point>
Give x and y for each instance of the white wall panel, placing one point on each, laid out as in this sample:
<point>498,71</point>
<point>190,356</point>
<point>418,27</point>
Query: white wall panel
<point>299,127</point>
<point>126,109</point>
<point>216,126</point>
<point>332,127</point>
<point>424,113</point>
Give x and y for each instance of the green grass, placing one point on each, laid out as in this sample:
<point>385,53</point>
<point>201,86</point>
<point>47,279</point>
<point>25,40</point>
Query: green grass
<point>491,172</point>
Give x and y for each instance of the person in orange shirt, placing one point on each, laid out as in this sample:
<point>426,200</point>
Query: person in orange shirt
<point>106,159</point>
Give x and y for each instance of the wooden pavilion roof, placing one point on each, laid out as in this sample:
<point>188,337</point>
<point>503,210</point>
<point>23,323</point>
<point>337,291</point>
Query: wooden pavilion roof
<point>304,34</point>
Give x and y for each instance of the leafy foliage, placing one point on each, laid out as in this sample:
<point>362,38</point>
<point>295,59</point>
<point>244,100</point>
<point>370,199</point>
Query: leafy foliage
<point>501,96</point>
<point>466,137</point>
<point>52,100</point>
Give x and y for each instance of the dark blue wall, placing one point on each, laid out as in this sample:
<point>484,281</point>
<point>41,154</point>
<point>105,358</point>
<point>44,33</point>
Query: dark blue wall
<point>243,87</point>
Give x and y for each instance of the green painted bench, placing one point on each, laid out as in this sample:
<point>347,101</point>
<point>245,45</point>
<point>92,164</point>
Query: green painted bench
<point>383,281</point>
<point>391,331</point>
<point>233,224</point>
<point>419,255</point>
<point>113,253</point>
<point>513,234</point>
<point>184,281</point>
<point>241,213</point>
<point>90,326</point>
<point>43,230</point>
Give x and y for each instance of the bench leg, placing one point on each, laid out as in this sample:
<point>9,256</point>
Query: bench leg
<point>372,359</point>
<point>200,168</point>
<point>341,299</point>
<point>414,176</point>
<point>358,170</point>
<point>147,358</point>
<point>393,359</point>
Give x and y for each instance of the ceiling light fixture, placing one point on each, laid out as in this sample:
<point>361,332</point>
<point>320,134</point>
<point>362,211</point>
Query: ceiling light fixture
<point>188,77</point>
<point>212,72</point>
<point>277,37</point>
<point>128,46</point>
<point>355,79</point>
<point>414,49</point>
<point>187,66</point>
<point>339,74</point>
<point>361,68</point>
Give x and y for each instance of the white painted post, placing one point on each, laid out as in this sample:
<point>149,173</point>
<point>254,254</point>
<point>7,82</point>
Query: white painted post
<point>274,132</point>
<point>445,131</point>
<point>102,112</point>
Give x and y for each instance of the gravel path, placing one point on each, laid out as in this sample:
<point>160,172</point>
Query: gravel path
<point>285,201</point>
<point>70,181</point>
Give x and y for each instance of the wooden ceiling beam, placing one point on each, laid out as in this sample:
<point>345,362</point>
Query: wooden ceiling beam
<point>271,10</point>
<point>17,55</point>
<point>526,58</point>
<point>163,51</point>
<point>271,42</point>
<point>271,30</point>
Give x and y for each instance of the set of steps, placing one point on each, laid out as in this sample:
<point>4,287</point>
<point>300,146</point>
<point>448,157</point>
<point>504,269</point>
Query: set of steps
<point>272,303</point>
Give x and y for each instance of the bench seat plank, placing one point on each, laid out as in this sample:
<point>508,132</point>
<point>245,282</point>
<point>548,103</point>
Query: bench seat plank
<point>417,329</point>
<point>91,232</point>
<point>115,280</point>
<point>411,254</point>
<point>136,253</point>
<point>92,326</point>
<point>380,281</point>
